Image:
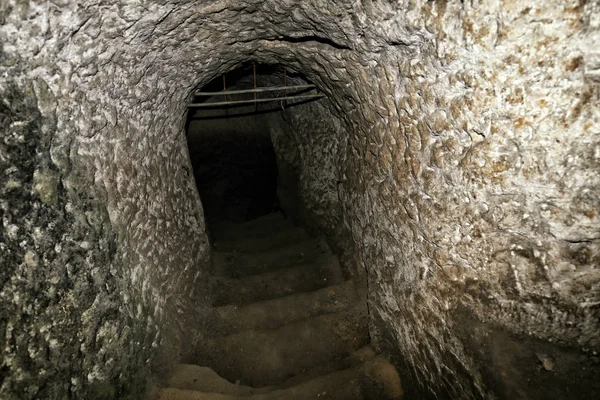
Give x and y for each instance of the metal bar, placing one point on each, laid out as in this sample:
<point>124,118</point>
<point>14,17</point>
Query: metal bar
<point>255,103</point>
<point>228,98</point>
<point>254,81</point>
<point>224,103</point>
<point>285,85</point>
<point>257,90</point>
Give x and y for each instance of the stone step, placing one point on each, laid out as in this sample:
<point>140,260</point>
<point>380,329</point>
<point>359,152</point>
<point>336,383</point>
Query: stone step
<point>203,379</point>
<point>263,227</point>
<point>192,377</point>
<point>337,364</point>
<point>279,283</point>
<point>272,314</point>
<point>374,379</point>
<point>261,244</point>
<point>237,265</point>
<point>269,357</point>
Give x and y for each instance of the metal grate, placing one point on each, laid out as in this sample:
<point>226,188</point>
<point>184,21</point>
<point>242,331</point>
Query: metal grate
<point>298,92</point>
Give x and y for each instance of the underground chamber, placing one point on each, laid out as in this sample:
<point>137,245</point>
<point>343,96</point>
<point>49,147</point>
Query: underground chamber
<point>430,214</point>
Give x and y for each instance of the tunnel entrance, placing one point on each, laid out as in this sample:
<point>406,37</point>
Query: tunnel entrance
<point>229,139</point>
<point>270,277</point>
<point>235,169</point>
<point>232,155</point>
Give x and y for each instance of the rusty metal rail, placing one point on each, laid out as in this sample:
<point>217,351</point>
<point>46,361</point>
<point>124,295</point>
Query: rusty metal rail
<point>257,90</point>
<point>300,94</point>
<point>226,103</point>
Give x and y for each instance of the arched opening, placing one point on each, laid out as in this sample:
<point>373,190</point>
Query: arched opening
<point>229,137</point>
<point>273,271</point>
<point>230,128</point>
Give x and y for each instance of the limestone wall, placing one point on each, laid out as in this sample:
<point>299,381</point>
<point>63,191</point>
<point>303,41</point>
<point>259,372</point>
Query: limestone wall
<point>467,160</point>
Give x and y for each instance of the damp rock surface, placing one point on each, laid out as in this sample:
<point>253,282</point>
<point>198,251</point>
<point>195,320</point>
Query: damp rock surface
<point>460,169</point>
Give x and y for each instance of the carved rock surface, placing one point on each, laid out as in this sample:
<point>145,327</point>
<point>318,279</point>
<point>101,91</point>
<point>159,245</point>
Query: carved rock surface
<point>458,166</point>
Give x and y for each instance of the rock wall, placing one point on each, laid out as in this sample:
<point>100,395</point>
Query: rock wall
<point>470,183</point>
<point>309,140</point>
<point>479,190</point>
<point>467,162</point>
<point>102,241</point>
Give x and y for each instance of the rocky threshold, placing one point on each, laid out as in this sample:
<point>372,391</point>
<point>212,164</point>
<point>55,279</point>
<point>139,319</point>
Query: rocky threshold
<point>286,325</point>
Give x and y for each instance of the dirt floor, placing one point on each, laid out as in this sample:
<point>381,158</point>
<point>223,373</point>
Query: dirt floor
<point>520,367</point>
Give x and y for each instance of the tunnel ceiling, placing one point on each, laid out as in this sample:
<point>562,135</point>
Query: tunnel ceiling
<point>457,164</point>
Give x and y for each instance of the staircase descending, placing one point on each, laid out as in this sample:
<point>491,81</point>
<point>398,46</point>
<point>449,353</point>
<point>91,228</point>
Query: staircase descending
<point>285,324</point>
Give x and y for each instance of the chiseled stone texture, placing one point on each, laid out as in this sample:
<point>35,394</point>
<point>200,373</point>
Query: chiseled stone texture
<point>102,241</point>
<point>307,140</point>
<point>467,164</point>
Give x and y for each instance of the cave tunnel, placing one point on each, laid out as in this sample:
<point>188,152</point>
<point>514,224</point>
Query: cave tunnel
<point>397,200</point>
<point>230,146</point>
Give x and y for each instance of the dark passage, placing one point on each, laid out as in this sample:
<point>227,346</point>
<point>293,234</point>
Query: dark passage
<point>270,278</point>
<point>232,155</point>
<point>235,171</point>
